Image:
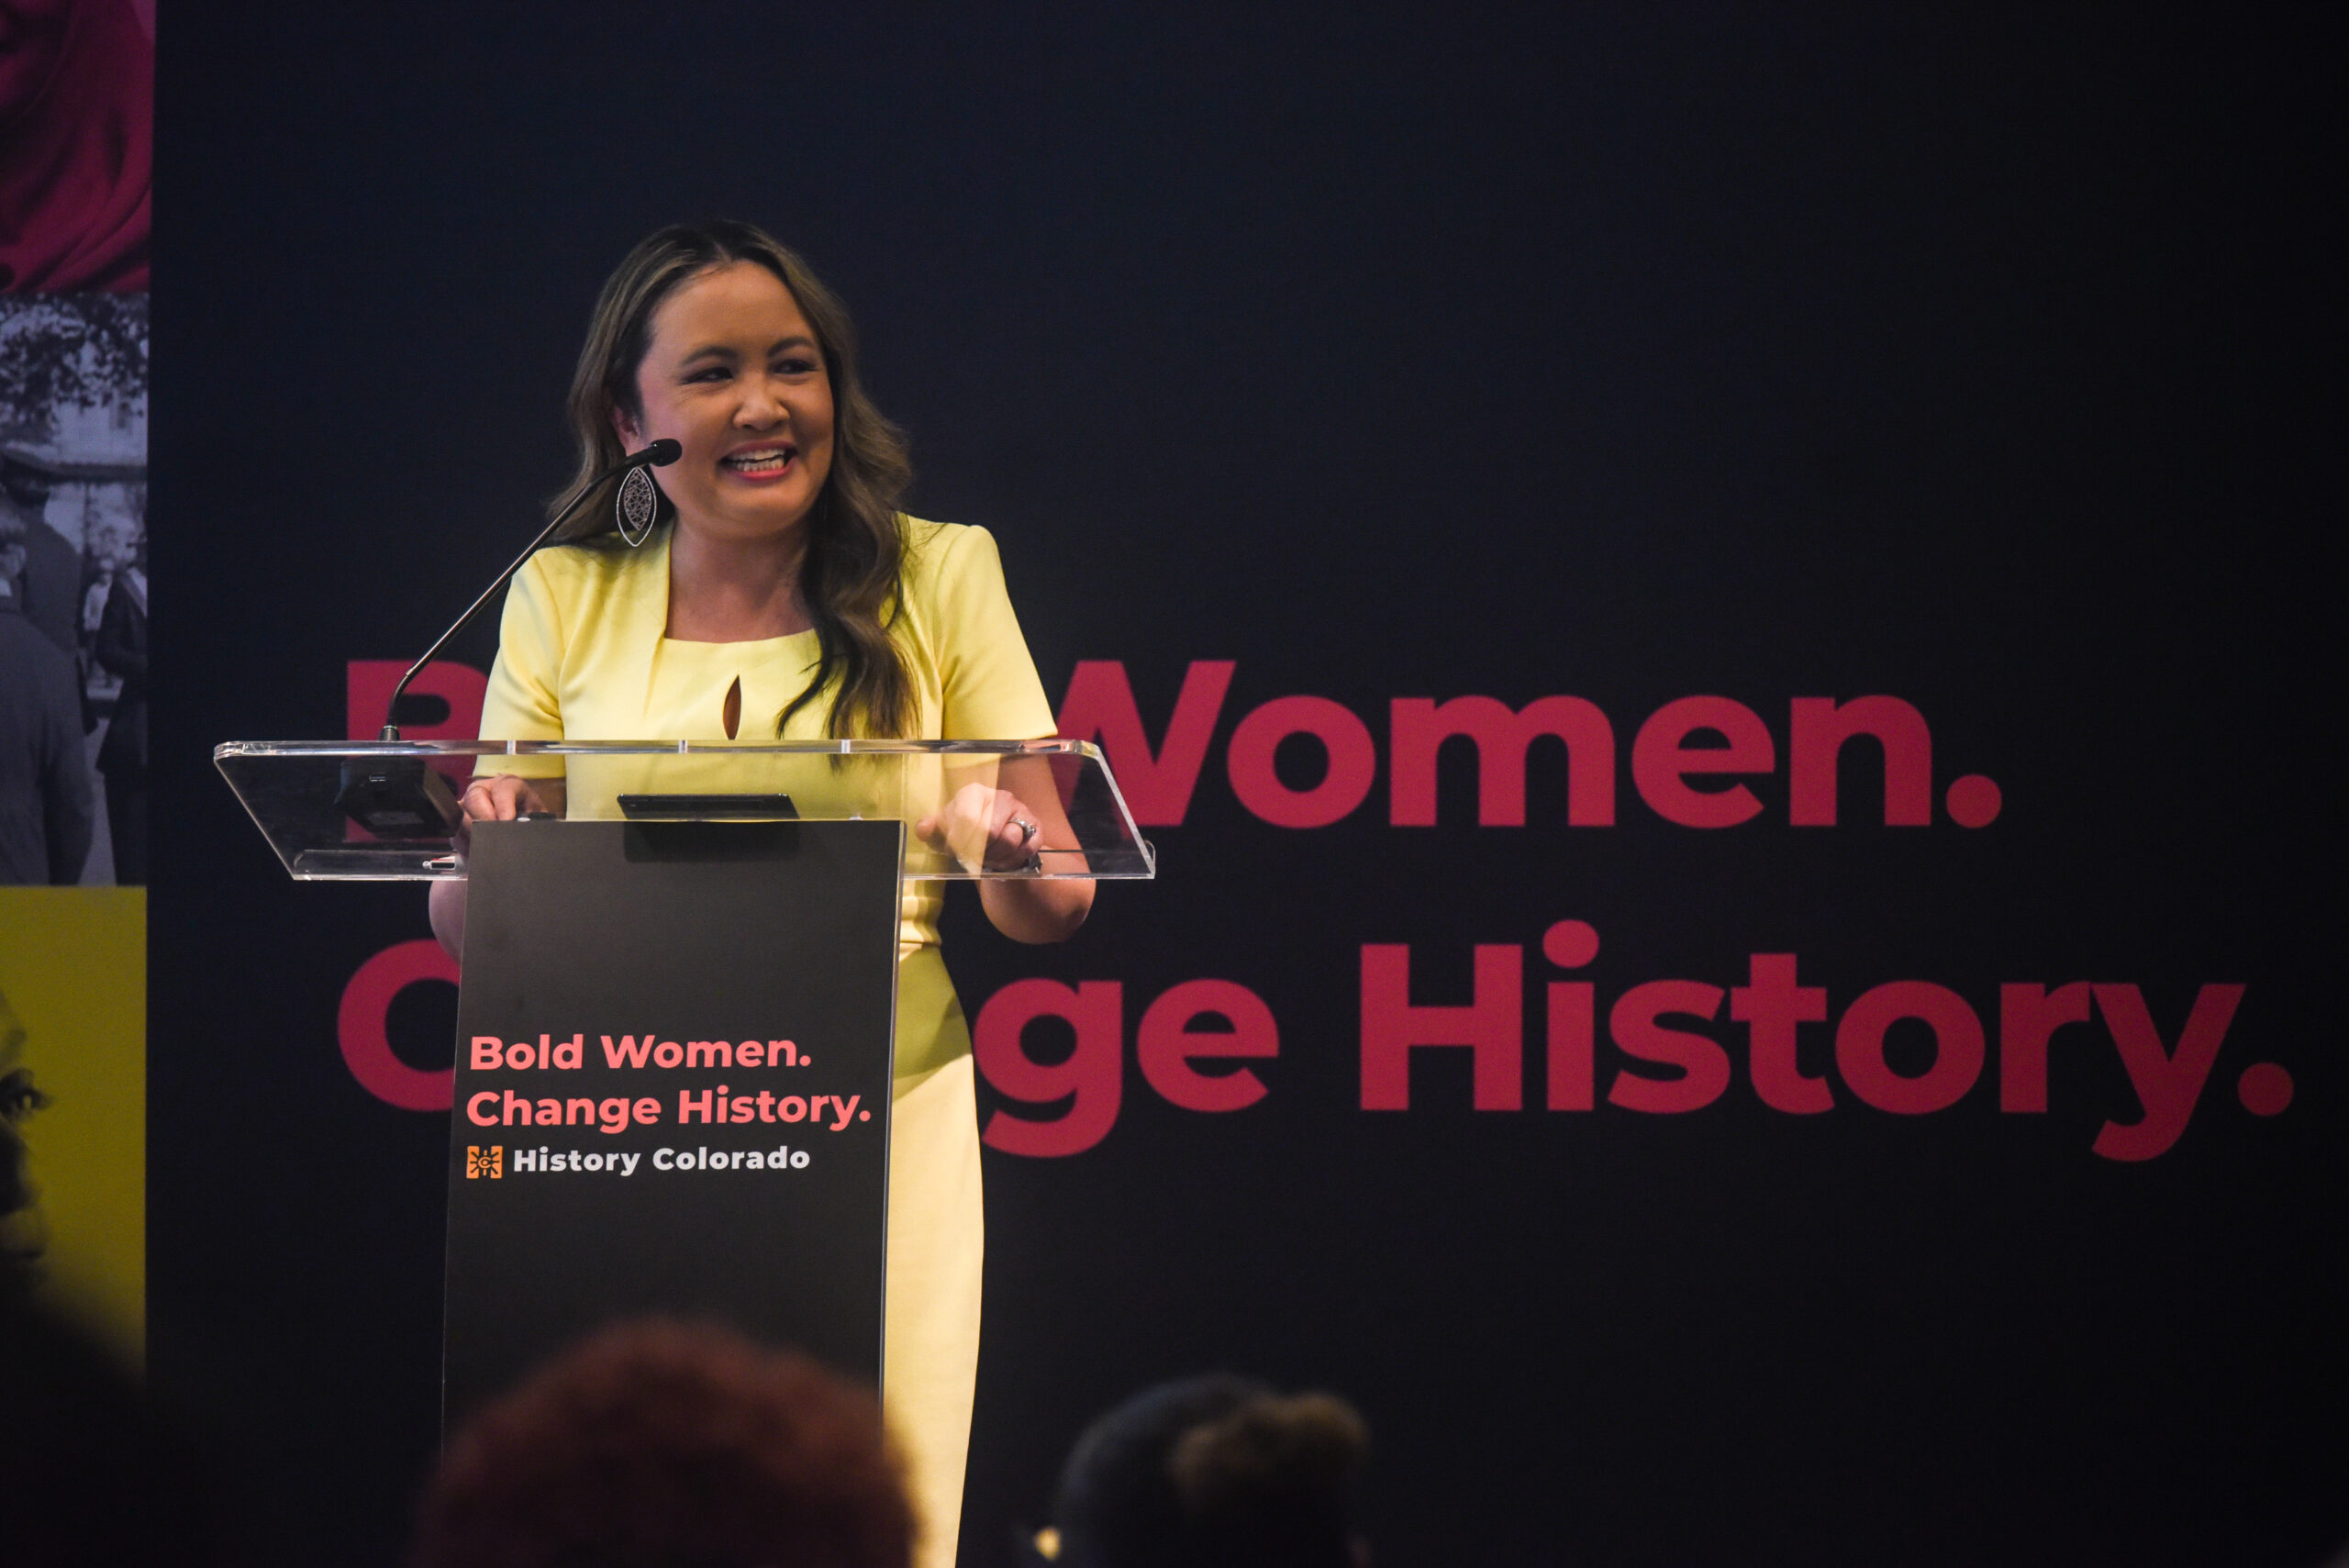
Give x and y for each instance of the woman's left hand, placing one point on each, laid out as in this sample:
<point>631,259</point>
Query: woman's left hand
<point>984,827</point>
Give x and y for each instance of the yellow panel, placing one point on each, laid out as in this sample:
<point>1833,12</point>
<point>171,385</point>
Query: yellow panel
<point>73,970</point>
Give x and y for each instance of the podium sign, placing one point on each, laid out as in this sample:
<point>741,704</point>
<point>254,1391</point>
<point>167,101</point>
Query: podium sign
<point>674,1063</point>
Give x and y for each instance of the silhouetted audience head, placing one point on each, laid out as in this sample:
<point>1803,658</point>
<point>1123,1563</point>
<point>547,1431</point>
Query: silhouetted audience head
<point>666,1444</point>
<point>1213,1470</point>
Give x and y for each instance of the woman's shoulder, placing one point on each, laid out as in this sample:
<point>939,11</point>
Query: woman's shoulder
<point>589,569</point>
<point>941,557</point>
<point>568,595</point>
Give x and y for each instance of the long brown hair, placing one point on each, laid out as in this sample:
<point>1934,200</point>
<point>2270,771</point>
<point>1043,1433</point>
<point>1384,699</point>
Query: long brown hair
<point>849,577</point>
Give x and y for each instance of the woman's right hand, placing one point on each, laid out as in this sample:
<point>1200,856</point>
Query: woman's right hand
<point>494,797</point>
<point>501,797</point>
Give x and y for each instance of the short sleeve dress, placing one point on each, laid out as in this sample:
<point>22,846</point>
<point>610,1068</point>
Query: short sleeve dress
<point>583,656</point>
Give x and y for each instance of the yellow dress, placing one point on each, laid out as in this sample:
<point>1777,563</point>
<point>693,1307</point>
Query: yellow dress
<point>583,656</point>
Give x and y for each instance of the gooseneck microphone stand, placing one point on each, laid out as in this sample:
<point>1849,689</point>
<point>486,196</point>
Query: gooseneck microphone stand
<point>400,797</point>
<point>660,454</point>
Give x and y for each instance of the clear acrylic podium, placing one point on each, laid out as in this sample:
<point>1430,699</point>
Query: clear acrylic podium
<point>677,1023</point>
<point>385,811</point>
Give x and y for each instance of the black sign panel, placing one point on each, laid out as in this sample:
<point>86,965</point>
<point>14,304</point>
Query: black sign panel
<point>673,1087</point>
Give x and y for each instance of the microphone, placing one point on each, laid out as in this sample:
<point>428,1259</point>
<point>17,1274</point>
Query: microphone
<point>397,797</point>
<point>660,454</point>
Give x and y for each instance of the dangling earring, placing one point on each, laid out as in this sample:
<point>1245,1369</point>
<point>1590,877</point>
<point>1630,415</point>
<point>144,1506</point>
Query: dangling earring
<point>636,506</point>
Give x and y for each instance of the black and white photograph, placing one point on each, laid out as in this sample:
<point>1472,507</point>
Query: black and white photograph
<point>73,574</point>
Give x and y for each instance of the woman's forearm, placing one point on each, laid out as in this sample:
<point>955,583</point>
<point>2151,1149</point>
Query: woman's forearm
<point>1039,910</point>
<point>448,906</point>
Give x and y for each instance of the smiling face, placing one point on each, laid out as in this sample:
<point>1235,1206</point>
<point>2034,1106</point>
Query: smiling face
<point>735,375</point>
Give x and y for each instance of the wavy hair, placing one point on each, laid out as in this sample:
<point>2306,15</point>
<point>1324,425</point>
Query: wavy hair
<point>850,575</point>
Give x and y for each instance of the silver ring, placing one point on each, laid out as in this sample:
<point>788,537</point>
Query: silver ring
<point>1028,830</point>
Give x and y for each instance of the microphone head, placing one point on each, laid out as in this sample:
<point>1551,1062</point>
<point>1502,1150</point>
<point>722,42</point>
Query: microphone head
<point>663,452</point>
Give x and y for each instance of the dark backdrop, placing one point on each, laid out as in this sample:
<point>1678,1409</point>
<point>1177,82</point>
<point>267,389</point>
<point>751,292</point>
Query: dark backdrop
<point>1981,362</point>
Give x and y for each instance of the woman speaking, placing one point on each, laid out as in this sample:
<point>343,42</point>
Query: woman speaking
<point>766,583</point>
